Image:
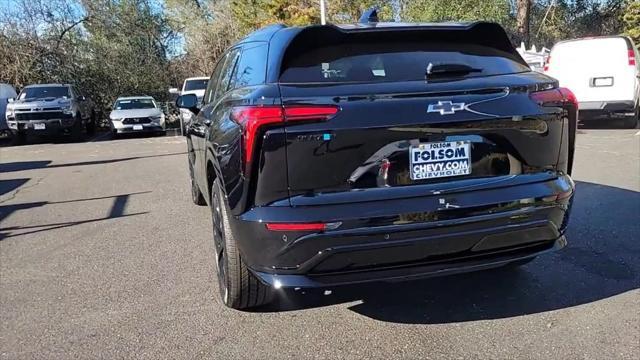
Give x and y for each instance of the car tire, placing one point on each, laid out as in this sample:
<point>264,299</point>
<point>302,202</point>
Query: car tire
<point>91,125</point>
<point>238,287</point>
<point>78,131</point>
<point>630,123</point>
<point>196,194</point>
<point>519,263</point>
<point>18,138</point>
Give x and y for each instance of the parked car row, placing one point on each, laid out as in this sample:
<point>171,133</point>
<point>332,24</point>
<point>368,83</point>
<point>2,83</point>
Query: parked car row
<point>62,110</point>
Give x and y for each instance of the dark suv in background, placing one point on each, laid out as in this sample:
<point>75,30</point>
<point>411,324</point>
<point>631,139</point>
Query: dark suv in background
<point>334,155</point>
<point>51,109</point>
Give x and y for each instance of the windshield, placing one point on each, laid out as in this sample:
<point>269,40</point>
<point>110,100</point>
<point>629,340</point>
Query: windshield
<point>130,104</point>
<point>191,85</point>
<point>42,92</point>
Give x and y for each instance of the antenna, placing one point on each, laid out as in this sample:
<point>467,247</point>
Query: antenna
<point>369,16</point>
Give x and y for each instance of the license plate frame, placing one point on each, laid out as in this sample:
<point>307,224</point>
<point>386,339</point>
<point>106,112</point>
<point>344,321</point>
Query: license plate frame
<point>138,127</point>
<point>39,126</point>
<point>435,160</point>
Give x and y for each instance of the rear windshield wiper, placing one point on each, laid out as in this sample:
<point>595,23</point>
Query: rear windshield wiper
<point>449,70</point>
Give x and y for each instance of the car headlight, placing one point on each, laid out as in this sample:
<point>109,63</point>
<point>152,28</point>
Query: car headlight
<point>157,119</point>
<point>10,113</point>
<point>68,110</point>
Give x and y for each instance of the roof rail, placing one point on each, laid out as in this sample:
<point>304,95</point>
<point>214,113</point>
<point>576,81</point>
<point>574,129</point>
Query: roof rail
<point>369,16</point>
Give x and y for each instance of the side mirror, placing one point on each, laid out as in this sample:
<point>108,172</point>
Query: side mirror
<point>174,91</point>
<point>10,100</point>
<point>189,102</point>
<point>82,98</point>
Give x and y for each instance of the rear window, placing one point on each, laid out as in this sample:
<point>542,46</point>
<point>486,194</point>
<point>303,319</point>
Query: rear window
<point>387,61</point>
<point>610,51</point>
<point>191,85</point>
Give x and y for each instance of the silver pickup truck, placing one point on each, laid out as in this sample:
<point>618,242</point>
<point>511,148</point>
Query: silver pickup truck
<point>50,109</point>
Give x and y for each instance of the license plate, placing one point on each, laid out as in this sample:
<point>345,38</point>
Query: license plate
<point>440,159</point>
<point>137,127</point>
<point>605,81</point>
<point>40,126</point>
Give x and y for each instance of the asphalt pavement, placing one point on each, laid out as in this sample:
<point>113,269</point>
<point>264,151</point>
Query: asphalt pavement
<point>103,255</point>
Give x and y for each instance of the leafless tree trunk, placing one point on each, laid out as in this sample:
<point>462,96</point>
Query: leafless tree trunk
<point>523,11</point>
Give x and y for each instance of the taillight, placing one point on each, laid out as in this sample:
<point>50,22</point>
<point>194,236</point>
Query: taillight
<point>632,57</point>
<point>253,118</point>
<point>303,226</point>
<point>554,97</point>
<point>546,63</point>
<point>299,112</point>
<point>569,96</point>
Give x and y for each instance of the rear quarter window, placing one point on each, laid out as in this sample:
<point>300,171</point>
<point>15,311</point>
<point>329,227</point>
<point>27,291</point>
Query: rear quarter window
<point>252,67</point>
<point>379,62</point>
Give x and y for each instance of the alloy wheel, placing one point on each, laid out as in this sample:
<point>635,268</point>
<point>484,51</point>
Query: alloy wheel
<point>219,241</point>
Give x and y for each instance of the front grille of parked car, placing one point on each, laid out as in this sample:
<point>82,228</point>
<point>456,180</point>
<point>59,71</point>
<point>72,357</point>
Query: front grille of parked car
<point>132,121</point>
<point>27,116</point>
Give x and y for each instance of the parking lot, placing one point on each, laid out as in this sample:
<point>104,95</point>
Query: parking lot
<point>103,255</point>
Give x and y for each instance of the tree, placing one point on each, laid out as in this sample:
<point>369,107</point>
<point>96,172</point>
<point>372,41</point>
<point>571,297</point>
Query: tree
<point>207,29</point>
<point>349,11</point>
<point>523,10</point>
<point>293,12</point>
<point>631,20</point>
<point>461,10</point>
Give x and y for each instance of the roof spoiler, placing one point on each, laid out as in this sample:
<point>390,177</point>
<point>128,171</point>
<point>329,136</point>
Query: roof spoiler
<point>369,16</point>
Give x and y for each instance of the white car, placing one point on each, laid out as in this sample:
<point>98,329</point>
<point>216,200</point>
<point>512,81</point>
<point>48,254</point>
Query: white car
<point>603,73</point>
<point>136,114</point>
<point>192,85</point>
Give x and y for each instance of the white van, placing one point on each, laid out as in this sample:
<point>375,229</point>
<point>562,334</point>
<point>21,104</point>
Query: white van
<point>603,73</point>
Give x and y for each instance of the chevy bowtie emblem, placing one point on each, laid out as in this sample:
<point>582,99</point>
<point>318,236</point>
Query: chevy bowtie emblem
<point>445,107</point>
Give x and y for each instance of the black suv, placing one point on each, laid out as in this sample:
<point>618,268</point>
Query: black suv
<point>333,155</point>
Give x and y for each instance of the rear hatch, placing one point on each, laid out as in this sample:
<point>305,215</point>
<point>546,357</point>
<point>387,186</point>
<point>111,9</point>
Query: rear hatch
<point>427,110</point>
<point>609,76</point>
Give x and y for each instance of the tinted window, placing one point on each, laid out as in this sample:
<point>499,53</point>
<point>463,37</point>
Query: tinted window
<point>227,71</point>
<point>393,62</point>
<point>213,81</point>
<point>42,92</point>
<point>252,67</point>
<point>191,85</point>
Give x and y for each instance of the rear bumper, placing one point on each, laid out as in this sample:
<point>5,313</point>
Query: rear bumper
<point>443,268</point>
<point>407,238</point>
<point>602,110</point>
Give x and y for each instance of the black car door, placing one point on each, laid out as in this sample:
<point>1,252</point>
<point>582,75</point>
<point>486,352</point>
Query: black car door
<point>202,124</point>
<point>196,130</point>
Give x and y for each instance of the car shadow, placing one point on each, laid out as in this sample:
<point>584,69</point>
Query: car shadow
<point>600,261</point>
<point>46,164</point>
<point>117,210</point>
<point>9,185</point>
